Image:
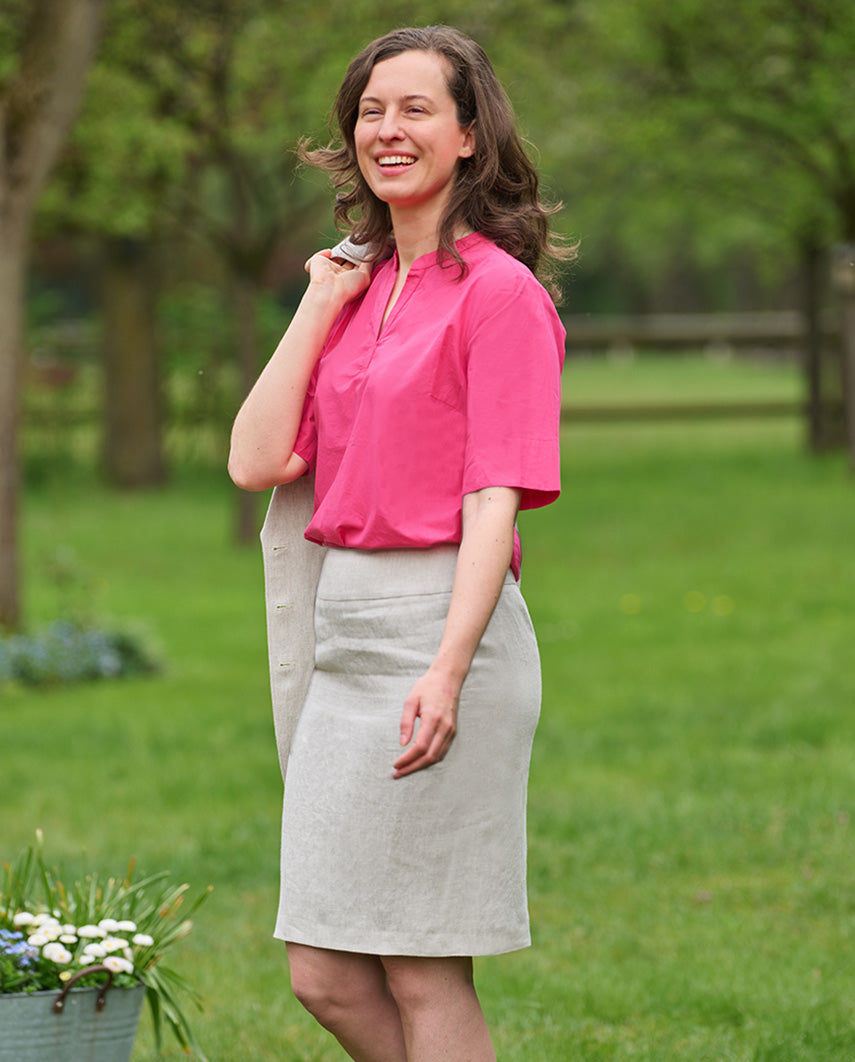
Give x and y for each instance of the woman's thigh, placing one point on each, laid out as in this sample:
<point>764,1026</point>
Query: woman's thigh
<point>417,981</point>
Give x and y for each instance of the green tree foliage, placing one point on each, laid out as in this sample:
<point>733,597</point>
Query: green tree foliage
<point>777,73</point>
<point>720,128</point>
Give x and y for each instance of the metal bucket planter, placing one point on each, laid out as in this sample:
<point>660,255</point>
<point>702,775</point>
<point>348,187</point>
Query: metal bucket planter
<point>96,1024</point>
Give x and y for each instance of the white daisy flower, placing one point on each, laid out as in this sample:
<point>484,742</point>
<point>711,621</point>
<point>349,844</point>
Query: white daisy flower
<point>143,940</point>
<point>23,918</point>
<point>126,926</point>
<point>118,964</point>
<point>55,952</point>
<point>91,932</point>
<point>114,944</point>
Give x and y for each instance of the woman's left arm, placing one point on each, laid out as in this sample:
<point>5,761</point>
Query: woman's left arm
<point>483,560</point>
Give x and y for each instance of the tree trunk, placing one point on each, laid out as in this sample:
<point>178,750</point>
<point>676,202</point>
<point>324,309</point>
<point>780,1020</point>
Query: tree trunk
<point>12,270</point>
<point>818,429</point>
<point>246,517</point>
<point>848,339</point>
<point>844,279</point>
<point>133,436</point>
<point>38,102</point>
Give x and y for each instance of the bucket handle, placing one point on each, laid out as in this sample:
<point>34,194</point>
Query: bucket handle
<point>100,1002</point>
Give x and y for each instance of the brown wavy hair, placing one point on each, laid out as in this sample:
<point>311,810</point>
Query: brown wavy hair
<point>495,191</point>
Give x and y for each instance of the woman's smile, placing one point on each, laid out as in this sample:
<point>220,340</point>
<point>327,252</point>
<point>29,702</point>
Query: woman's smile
<point>398,162</point>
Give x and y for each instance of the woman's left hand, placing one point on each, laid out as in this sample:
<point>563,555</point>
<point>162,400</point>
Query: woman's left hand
<point>433,701</point>
<point>486,547</point>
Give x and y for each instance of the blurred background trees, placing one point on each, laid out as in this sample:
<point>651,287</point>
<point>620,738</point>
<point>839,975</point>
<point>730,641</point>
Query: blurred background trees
<point>742,126</point>
<point>706,162</point>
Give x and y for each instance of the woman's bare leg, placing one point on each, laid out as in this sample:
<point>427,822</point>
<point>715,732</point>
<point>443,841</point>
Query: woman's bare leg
<point>440,1012</point>
<point>348,994</point>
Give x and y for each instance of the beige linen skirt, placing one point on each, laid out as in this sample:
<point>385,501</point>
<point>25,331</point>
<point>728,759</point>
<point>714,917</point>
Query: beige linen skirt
<point>433,863</point>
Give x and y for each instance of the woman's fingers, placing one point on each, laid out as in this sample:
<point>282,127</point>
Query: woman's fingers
<point>319,254</point>
<point>435,733</point>
<point>418,756</point>
<point>341,265</point>
<point>408,719</point>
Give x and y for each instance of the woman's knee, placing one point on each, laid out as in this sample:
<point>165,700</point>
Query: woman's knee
<point>314,981</point>
<point>330,984</point>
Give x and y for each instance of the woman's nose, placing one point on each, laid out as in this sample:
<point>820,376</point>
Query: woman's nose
<point>390,127</point>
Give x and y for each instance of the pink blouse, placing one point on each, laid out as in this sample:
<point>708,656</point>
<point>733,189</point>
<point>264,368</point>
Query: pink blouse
<point>460,390</point>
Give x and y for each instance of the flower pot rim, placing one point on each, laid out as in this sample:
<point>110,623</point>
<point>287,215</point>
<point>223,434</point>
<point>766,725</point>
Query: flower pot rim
<point>42,992</point>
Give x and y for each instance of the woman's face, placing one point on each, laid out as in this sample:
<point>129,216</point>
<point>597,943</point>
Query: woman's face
<point>408,140</point>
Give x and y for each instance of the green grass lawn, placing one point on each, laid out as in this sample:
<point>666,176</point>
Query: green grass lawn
<point>661,378</point>
<point>692,841</point>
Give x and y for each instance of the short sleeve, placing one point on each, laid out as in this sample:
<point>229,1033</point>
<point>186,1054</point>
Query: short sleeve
<point>513,405</point>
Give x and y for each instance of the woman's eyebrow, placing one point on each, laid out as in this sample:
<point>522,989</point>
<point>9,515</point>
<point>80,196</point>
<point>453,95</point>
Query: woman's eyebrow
<point>406,99</point>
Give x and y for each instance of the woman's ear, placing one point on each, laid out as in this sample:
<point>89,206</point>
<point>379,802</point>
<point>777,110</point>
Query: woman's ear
<point>468,149</point>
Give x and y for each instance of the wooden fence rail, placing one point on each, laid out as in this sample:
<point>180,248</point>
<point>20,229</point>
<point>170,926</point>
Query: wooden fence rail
<point>773,330</point>
<point>670,411</point>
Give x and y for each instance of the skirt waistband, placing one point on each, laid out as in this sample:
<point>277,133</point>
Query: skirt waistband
<point>353,574</point>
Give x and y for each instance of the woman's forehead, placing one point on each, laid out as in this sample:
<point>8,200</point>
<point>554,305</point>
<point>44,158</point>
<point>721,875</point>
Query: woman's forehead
<point>410,73</point>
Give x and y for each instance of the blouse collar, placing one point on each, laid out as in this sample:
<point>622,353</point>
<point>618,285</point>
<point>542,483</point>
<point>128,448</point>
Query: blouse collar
<point>425,261</point>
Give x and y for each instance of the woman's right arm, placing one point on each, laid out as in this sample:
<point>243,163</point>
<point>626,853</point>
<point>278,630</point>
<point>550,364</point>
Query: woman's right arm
<point>262,446</point>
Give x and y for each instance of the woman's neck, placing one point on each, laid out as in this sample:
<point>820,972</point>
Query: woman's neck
<point>415,235</point>
<point>417,232</point>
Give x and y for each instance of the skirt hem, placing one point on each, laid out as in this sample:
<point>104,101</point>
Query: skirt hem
<point>435,947</point>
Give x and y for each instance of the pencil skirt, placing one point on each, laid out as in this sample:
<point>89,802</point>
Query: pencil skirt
<point>432,864</point>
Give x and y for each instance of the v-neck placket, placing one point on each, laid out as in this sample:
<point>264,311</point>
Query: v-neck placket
<point>418,270</point>
<point>412,282</point>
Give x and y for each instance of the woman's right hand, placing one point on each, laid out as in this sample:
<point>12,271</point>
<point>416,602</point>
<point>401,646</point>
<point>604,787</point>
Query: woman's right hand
<point>335,279</point>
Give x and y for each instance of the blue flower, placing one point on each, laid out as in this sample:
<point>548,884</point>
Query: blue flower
<point>15,945</point>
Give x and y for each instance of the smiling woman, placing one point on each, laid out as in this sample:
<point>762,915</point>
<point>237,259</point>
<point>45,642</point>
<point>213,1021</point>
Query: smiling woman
<point>422,392</point>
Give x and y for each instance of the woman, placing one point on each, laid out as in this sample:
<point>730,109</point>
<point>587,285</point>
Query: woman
<point>422,390</point>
